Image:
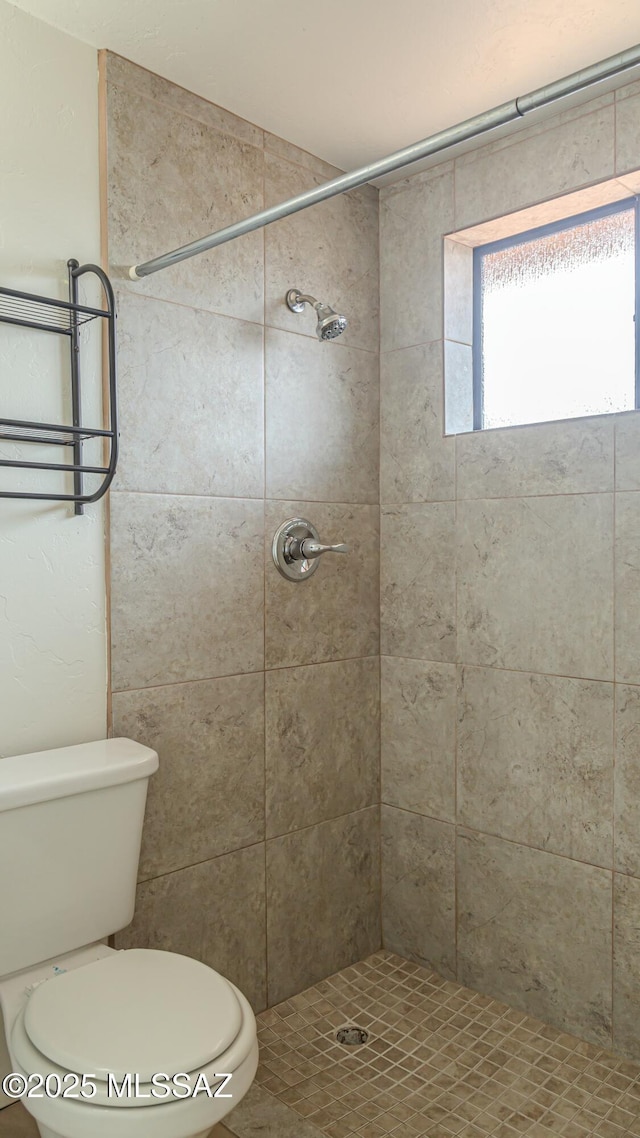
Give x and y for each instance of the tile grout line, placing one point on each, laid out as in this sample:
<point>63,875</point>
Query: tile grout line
<point>385,506</point>
<point>615,133</point>
<point>268,838</point>
<point>122,289</point>
<point>503,668</point>
<point>379,576</point>
<point>248,498</point>
<point>468,828</point>
<point>456,867</point>
<point>264,574</point>
<point>239,675</point>
<point>457,675</point>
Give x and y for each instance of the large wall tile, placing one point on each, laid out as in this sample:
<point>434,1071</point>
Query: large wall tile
<point>458,292</point>
<point>323,742</point>
<point>628,588</point>
<point>628,451</point>
<point>189,375</point>
<point>169,179</point>
<point>535,761</point>
<point>626,966</point>
<point>418,744</point>
<point>329,251</point>
<point>570,457</point>
<point>208,795</point>
<point>214,912</point>
<point>458,394</point>
<point>627,134</point>
<point>335,614</point>
<point>168,914</point>
<point>529,570</point>
<point>492,181</point>
<point>545,119</point>
<point>416,463</point>
<point>417,581</point>
<point>534,930</point>
<point>122,72</point>
<point>323,900</point>
<point>412,179</point>
<point>627,780</point>
<point>234,921</point>
<point>548,211</point>
<point>282,148</point>
<point>322,420</point>
<point>186,598</point>
<point>412,222</point>
<point>418,889</point>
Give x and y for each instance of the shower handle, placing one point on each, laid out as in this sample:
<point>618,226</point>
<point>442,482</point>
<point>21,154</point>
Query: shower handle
<point>297,549</point>
<point>310,549</point>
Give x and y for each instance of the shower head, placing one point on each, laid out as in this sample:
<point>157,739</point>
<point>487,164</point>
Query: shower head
<point>330,324</point>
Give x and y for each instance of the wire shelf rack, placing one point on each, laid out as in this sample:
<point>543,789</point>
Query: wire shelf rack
<point>45,314</point>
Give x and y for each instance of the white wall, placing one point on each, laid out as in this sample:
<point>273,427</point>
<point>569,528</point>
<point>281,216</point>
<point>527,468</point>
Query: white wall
<point>52,576</point>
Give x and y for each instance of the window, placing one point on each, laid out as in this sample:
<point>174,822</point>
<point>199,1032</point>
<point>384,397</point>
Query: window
<point>554,332</point>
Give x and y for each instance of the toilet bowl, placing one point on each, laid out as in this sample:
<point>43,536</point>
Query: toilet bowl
<point>119,1019</point>
<point>104,1044</point>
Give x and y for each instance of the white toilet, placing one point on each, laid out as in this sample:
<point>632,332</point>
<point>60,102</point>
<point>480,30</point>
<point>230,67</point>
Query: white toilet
<point>70,830</point>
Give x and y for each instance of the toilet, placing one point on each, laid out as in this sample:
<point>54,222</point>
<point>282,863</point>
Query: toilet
<point>110,1044</point>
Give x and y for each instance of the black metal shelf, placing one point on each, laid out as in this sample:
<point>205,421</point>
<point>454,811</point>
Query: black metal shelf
<point>45,314</point>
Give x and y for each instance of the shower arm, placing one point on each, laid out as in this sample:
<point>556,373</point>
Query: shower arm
<point>436,143</point>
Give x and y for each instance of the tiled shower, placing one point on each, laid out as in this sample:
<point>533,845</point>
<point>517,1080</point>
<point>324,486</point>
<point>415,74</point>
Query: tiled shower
<point>261,846</point>
<point>494,739</point>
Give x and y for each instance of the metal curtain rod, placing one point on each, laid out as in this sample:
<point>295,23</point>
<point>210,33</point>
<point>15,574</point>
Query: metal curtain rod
<point>470,128</point>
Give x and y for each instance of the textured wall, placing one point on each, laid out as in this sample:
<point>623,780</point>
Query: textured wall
<point>53,681</point>
<point>260,695</point>
<point>510,564</point>
<point>52,624</point>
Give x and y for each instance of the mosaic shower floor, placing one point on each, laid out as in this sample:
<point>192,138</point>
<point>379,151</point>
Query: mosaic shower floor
<point>440,1061</point>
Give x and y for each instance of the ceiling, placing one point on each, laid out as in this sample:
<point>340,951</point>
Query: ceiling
<point>353,80</point>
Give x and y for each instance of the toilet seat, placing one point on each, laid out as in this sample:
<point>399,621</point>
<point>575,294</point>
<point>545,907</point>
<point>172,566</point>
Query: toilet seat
<point>224,1025</point>
<point>138,1011</point>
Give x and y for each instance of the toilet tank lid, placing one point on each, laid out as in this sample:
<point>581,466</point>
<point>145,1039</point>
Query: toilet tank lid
<point>44,775</point>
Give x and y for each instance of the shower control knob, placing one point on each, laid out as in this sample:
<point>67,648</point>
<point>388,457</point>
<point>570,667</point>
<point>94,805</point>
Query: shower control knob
<point>311,549</point>
<point>297,548</point>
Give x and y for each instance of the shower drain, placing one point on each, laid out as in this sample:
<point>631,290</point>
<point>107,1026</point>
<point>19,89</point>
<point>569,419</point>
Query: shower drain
<point>352,1036</point>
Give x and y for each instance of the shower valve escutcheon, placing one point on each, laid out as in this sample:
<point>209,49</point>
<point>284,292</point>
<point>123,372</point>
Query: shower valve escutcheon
<point>297,548</point>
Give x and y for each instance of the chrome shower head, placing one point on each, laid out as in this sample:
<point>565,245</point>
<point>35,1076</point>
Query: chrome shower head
<point>330,324</point>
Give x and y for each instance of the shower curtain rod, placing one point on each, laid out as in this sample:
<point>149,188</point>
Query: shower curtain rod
<point>443,140</point>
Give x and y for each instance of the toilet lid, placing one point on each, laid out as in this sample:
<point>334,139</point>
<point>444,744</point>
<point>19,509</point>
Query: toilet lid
<point>138,1011</point>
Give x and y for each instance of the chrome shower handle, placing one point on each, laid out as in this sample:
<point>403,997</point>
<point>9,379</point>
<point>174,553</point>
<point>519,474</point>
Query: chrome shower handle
<point>311,549</point>
<point>296,549</point>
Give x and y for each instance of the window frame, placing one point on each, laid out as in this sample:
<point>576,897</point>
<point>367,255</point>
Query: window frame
<point>479,251</point>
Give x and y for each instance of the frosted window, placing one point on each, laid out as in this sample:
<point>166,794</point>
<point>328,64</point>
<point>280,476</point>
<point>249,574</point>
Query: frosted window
<point>557,323</point>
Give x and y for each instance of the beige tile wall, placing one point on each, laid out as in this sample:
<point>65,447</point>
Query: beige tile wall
<point>510,566</point>
<point>261,842</point>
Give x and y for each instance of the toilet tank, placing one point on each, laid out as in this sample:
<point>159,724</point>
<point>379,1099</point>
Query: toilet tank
<point>70,831</point>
